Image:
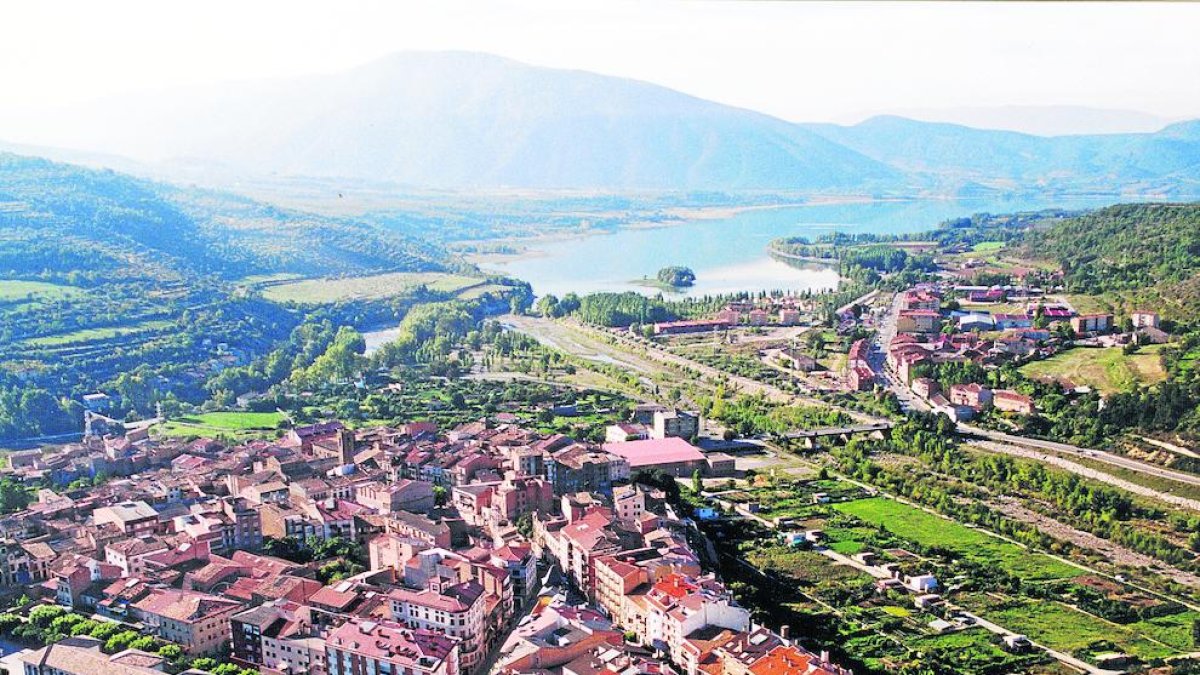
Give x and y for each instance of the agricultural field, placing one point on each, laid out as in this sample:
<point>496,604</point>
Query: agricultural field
<point>14,290</point>
<point>1107,370</point>
<point>98,334</point>
<point>794,499</point>
<point>375,287</point>
<point>240,426</point>
<point>987,246</point>
<point>1071,630</point>
<point>928,530</point>
<point>993,307</point>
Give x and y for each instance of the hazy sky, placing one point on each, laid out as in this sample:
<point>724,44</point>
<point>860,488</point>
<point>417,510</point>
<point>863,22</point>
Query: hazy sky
<point>799,61</point>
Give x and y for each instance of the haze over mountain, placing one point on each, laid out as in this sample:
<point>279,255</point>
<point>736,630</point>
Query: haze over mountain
<point>465,120</point>
<point>1042,120</point>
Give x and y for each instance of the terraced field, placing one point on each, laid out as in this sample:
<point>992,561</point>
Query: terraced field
<point>98,334</point>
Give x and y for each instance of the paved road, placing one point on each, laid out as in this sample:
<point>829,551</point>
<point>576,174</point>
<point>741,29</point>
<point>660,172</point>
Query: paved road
<point>1017,450</point>
<point>877,359</point>
<point>1098,455</point>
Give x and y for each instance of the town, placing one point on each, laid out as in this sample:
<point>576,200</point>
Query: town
<point>482,548</point>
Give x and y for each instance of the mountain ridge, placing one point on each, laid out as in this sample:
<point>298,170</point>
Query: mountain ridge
<point>463,120</point>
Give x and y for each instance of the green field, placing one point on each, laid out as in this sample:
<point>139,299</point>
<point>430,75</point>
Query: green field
<point>926,529</point>
<point>987,246</point>
<point>323,291</point>
<point>1070,630</point>
<point>1107,370</point>
<point>13,290</point>
<point>96,334</point>
<point>239,425</point>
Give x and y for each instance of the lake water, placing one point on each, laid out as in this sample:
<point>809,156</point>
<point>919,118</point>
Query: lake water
<point>729,254</point>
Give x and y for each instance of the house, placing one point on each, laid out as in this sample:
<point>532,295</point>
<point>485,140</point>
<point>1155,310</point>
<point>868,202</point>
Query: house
<point>925,387</point>
<point>625,431</point>
<point>580,468</point>
<point>1008,400</point>
<point>97,402</point>
<point>455,611</point>
<point>1144,319</point>
<point>1091,323</point>
<point>1153,336</point>
<point>758,317</point>
<point>921,583</point>
<point>860,378</point>
<point>789,317</point>
<point>798,360</point>
<point>1017,643</point>
<point>675,423</point>
<point>83,656</point>
<point>1007,321</point>
<point>922,299</point>
<point>197,622</point>
<point>918,321</point>
<point>133,518</point>
<point>360,646</point>
<point>973,395</point>
<point>928,601</point>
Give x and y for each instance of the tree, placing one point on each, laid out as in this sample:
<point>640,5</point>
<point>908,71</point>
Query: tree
<point>44,615</point>
<point>440,495</point>
<point>697,482</point>
<point>170,652</point>
<point>8,622</point>
<point>105,630</point>
<point>13,496</point>
<point>84,627</point>
<point>677,276</point>
<point>145,643</point>
<point>547,306</point>
<point>203,663</point>
<point>120,641</point>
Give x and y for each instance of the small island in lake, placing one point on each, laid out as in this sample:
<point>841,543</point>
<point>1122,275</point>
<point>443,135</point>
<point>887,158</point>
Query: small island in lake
<point>671,278</point>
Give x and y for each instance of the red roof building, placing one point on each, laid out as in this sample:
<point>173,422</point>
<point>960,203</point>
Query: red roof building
<point>672,454</point>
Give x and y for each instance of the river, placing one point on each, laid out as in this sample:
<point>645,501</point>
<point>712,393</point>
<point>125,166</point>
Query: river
<point>728,254</point>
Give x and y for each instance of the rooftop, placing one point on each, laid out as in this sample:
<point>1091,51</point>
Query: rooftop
<point>655,451</point>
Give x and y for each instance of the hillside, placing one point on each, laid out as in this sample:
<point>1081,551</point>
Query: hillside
<point>105,224</point>
<point>139,289</point>
<point>475,121</point>
<point>1123,247</point>
<point>1165,163</point>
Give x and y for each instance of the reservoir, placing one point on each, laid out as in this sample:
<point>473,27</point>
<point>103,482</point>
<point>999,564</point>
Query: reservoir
<point>728,254</point>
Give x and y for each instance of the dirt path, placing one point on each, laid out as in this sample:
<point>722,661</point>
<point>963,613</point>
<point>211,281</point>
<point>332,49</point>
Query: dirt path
<point>1114,552</point>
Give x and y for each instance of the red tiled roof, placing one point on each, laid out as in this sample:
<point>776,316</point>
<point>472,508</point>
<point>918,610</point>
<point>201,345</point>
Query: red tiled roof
<point>655,451</point>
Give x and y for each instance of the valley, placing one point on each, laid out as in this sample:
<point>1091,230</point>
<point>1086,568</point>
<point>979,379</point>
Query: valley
<point>661,341</point>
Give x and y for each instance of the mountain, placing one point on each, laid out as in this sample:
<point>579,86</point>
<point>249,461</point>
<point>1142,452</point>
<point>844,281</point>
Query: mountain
<point>1042,120</point>
<point>469,121</point>
<point>1166,162</point>
<point>63,218</point>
